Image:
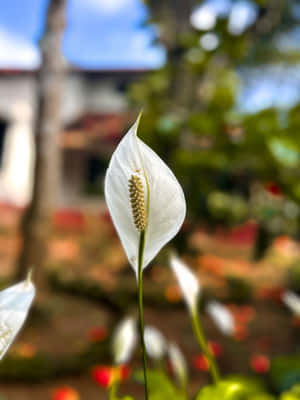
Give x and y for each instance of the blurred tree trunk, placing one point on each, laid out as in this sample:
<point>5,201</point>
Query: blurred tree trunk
<point>173,17</point>
<point>35,226</point>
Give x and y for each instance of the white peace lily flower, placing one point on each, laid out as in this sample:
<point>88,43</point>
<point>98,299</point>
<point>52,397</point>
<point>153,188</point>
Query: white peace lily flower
<point>155,342</point>
<point>188,282</point>
<point>124,340</point>
<point>15,302</point>
<point>178,363</point>
<point>292,301</point>
<point>222,317</point>
<point>142,195</point>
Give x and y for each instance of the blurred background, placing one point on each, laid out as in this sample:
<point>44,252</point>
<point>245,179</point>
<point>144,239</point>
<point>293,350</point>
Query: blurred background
<point>219,85</point>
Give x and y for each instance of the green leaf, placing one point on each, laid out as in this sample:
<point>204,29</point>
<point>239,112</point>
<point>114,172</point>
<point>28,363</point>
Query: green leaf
<point>293,394</point>
<point>127,398</point>
<point>284,151</point>
<point>235,388</point>
<point>160,386</point>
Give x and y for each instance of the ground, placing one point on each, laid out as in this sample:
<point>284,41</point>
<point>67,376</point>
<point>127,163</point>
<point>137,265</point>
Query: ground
<point>84,248</point>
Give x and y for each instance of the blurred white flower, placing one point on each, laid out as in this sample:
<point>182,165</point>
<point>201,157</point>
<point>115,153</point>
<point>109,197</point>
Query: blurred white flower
<point>124,340</point>
<point>204,18</point>
<point>155,342</point>
<point>210,41</point>
<point>222,317</point>
<point>142,194</point>
<point>15,302</point>
<point>292,301</point>
<point>188,282</point>
<point>178,363</point>
<point>243,14</point>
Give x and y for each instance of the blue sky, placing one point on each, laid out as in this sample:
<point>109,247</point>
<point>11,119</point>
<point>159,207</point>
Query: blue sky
<point>100,34</point>
<point>103,34</point>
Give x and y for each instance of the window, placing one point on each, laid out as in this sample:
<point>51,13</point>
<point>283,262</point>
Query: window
<point>3,131</point>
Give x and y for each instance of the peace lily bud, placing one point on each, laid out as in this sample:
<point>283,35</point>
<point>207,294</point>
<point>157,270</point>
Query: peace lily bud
<point>155,343</point>
<point>142,195</point>
<point>178,363</point>
<point>15,302</point>
<point>188,282</point>
<point>222,317</point>
<point>292,301</point>
<point>124,341</point>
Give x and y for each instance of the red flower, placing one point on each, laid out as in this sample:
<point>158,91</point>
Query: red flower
<point>103,375</point>
<point>65,393</point>
<point>260,363</point>
<point>124,372</point>
<point>97,334</point>
<point>216,349</point>
<point>273,189</point>
<point>241,332</point>
<point>201,363</point>
<point>271,293</point>
<point>105,217</point>
<point>68,219</point>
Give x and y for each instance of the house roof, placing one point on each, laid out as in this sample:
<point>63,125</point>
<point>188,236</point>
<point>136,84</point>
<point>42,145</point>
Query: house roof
<point>83,71</point>
<point>98,132</point>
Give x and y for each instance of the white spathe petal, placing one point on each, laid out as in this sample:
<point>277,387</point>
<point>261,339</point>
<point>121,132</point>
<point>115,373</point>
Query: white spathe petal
<point>15,302</point>
<point>166,199</point>
<point>188,282</point>
<point>292,301</point>
<point>178,363</point>
<point>155,342</point>
<point>124,340</point>
<point>222,317</point>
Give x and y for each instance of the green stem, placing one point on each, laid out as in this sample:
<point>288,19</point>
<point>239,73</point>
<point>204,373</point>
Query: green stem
<point>113,391</point>
<point>141,310</point>
<point>204,346</point>
<point>185,391</point>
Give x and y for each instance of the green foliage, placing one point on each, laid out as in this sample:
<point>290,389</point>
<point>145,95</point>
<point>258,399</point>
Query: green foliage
<point>192,120</point>
<point>262,396</point>
<point>285,372</point>
<point>235,388</point>
<point>239,290</point>
<point>285,152</point>
<point>42,367</point>
<point>160,386</point>
<point>119,304</point>
<point>293,394</point>
<point>226,208</point>
<point>293,276</point>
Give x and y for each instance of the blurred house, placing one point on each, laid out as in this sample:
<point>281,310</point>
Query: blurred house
<point>95,114</point>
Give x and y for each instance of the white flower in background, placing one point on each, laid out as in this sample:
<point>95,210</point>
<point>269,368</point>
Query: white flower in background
<point>142,195</point>
<point>178,363</point>
<point>188,282</point>
<point>15,302</point>
<point>222,317</point>
<point>124,340</point>
<point>204,17</point>
<point>155,342</point>
<point>292,301</point>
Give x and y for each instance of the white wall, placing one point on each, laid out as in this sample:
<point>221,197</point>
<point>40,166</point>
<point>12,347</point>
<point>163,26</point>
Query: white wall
<point>17,106</point>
